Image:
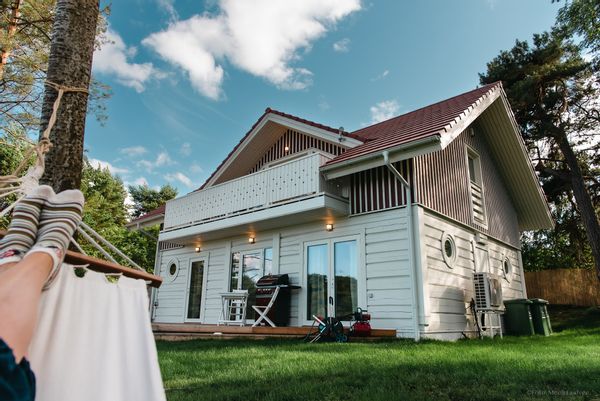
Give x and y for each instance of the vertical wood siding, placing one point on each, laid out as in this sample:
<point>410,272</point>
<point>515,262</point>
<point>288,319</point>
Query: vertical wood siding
<point>296,142</point>
<point>442,184</point>
<point>377,189</point>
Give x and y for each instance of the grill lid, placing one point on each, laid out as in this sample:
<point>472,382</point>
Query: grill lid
<point>273,279</point>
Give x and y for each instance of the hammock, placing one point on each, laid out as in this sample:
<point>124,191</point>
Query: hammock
<point>93,339</point>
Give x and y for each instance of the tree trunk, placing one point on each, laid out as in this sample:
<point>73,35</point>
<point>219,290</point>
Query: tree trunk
<point>11,29</point>
<point>583,199</point>
<point>69,64</point>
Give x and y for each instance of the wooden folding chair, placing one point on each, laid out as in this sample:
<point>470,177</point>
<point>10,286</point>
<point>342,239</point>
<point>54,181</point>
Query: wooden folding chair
<point>264,310</point>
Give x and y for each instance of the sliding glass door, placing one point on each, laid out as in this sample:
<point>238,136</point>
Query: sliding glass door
<point>332,278</point>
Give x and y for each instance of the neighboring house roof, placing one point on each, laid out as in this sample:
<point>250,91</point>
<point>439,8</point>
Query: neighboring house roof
<point>268,111</point>
<point>156,214</point>
<point>426,122</point>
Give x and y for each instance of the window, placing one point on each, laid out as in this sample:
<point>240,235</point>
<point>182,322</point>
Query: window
<point>476,187</point>
<point>506,268</point>
<point>172,270</point>
<point>247,268</point>
<point>449,249</point>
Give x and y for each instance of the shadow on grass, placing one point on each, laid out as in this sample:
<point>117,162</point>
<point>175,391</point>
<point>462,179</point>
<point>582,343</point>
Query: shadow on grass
<point>565,366</point>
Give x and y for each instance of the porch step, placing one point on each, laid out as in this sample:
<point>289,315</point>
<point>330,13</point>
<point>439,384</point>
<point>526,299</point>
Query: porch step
<point>183,331</point>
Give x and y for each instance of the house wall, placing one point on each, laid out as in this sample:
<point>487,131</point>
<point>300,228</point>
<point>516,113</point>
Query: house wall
<point>442,184</point>
<point>296,142</point>
<point>449,290</point>
<point>384,271</point>
<point>377,189</point>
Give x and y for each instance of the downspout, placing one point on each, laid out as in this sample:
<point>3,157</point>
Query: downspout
<point>417,276</point>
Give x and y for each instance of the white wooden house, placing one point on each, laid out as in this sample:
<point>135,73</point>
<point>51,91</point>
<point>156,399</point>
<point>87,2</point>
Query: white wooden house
<point>403,246</point>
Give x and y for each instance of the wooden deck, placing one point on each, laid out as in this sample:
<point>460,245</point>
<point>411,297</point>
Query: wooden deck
<point>185,331</point>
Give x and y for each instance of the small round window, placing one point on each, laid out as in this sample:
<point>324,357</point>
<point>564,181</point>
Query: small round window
<point>172,270</point>
<point>506,268</point>
<point>449,249</point>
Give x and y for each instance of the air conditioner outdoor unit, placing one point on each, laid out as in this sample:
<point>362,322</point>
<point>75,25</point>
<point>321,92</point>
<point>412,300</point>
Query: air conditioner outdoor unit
<point>488,291</point>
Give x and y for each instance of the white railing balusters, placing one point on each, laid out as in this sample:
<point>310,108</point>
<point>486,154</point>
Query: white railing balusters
<point>266,188</point>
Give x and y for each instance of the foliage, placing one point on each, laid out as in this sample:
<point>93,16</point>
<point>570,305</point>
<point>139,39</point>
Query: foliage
<point>554,95</point>
<point>581,17</point>
<point>22,74</point>
<point>146,199</point>
<point>105,211</point>
<point>13,148</point>
<point>514,368</point>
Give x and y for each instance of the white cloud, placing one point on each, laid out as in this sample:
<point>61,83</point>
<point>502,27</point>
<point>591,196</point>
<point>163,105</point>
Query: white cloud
<point>133,151</point>
<point>384,110</point>
<point>141,181</point>
<point>195,168</point>
<point>384,74</point>
<point>262,37</point>
<point>185,149</point>
<point>342,46</point>
<point>179,176</point>
<point>169,7</point>
<point>162,159</point>
<point>104,164</point>
<point>112,59</point>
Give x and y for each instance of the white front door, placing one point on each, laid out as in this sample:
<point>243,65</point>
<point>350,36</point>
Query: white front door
<point>332,278</point>
<point>195,290</point>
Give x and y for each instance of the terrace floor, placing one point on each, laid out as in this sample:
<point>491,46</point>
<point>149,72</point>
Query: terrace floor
<point>186,331</point>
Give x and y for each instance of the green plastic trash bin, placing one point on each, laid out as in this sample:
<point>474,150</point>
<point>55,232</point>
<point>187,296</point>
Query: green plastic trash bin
<point>517,317</point>
<point>541,319</point>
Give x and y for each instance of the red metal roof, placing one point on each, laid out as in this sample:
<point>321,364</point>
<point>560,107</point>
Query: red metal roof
<point>269,110</point>
<point>413,126</point>
<point>152,213</point>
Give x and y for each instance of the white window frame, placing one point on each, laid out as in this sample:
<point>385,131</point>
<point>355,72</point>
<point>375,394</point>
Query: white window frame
<point>360,260</point>
<point>168,277</point>
<point>187,290</point>
<point>471,153</point>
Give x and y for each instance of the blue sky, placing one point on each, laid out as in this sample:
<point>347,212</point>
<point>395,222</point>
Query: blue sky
<point>189,78</point>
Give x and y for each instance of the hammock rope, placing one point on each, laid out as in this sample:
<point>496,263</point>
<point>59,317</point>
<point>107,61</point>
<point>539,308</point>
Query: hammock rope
<point>15,184</point>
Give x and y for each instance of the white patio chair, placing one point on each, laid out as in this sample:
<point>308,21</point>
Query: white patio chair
<point>264,310</point>
<point>233,308</point>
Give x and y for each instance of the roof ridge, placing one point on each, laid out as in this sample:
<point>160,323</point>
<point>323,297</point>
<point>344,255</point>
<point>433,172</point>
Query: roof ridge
<point>494,84</point>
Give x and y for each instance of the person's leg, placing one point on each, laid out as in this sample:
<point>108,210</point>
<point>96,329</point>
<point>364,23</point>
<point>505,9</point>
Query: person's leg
<point>21,284</point>
<point>22,231</point>
<point>20,292</point>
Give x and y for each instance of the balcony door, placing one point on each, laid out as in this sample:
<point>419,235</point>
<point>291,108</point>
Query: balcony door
<point>333,281</point>
<point>195,291</point>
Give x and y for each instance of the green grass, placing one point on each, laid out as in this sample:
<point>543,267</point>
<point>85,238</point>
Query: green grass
<point>565,366</point>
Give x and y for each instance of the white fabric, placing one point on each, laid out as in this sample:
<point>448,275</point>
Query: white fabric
<point>94,341</point>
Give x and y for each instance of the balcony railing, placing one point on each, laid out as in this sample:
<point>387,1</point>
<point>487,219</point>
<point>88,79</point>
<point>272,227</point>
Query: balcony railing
<point>288,182</point>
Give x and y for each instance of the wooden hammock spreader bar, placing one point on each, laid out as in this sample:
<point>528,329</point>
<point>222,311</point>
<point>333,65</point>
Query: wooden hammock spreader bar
<point>103,266</point>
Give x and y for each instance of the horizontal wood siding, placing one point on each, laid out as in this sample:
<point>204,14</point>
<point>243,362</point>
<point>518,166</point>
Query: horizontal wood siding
<point>387,272</point>
<point>172,295</point>
<point>296,142</point>
<point>451,289</point>
<point>387,276</point>
<point>377,189</point>
<point>442,184</point>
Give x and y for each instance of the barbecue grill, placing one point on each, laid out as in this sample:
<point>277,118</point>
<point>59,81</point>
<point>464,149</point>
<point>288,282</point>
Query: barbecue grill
<point>265,288</point>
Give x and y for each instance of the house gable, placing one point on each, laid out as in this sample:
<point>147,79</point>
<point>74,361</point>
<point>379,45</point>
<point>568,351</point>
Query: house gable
<point>262,144</point>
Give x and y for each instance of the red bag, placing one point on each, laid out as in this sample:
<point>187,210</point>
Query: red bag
<point>361,329</point>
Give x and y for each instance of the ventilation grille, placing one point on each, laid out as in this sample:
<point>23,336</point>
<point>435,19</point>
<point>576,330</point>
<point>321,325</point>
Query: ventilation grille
<point>165,246</point>
<point>488,291</point>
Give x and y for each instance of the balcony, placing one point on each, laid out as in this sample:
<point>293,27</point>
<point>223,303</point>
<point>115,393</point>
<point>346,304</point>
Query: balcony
<point>294,189</point>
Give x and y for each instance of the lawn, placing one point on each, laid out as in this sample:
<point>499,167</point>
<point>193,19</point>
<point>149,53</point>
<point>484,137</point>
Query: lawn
<point>565,366</point>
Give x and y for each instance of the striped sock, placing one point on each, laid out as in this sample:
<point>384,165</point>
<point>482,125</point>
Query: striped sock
<point>59,219</point>
<point>23,227</point>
